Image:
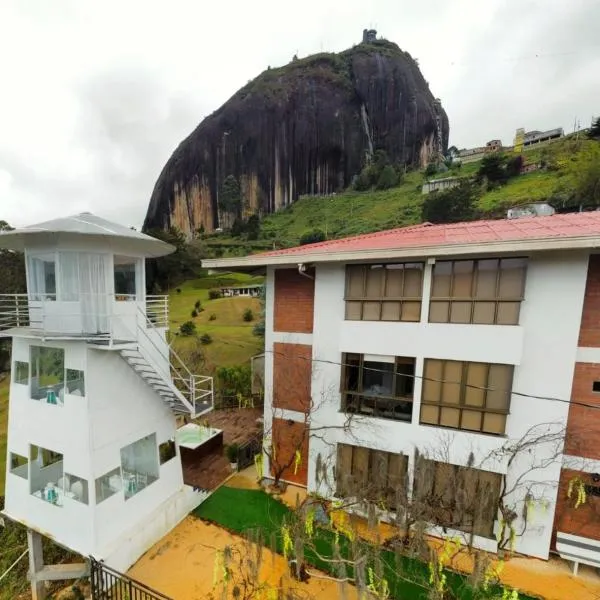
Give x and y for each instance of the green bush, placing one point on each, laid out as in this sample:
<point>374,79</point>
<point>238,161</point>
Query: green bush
<point>198,304</point>
<point>212,317</point>
<point>206,339</point>
<point>188,328</point>
<point>214,294</point>
<point>232,452</point>
<point>313,237</point>
<point>194,313</point>
<point>451,206</point>
<point>388,178</point>
<point>248,315</point>
<point>232,381</point>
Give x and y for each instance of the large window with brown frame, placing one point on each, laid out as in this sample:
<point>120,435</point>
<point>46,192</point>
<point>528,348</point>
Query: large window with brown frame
<point>485,291</point>
<point>466,395</point>
<point>378,386</point>
<point>372,475</point>
<point>456,497</point>
<point>385,292</point>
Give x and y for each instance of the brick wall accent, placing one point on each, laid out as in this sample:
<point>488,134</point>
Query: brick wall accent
<point>583,426</point>
<point>589,333</point>
<point>294,301</point>
<point>289,436</point>
<point>292,369</point>
<point>583,520</point>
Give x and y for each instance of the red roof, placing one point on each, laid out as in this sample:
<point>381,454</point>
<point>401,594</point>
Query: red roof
<point>570,225</point>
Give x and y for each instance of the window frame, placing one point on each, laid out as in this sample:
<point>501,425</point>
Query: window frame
<point>472,299</point>
<point>383,299</point>
<point>462,406</point>
<point>360,396</point>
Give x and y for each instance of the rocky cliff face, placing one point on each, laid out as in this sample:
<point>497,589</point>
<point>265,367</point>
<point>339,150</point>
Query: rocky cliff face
<point>305,128</point>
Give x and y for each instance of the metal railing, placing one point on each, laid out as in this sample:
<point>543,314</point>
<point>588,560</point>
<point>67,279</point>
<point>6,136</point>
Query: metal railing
<point>157,310</point>
<point>109,584</point>
<point>14,311</point>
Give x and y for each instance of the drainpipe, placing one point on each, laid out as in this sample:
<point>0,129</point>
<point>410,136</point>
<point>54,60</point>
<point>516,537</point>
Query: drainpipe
<point>302,270</point>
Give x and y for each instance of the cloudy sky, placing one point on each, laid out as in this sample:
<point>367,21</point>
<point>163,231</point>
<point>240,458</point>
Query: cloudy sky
<point>96,95</point>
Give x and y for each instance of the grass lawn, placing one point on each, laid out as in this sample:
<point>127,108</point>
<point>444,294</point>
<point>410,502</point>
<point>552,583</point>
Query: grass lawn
<point>4,384</point>
<point>233,341</point>
<point>242,510</point>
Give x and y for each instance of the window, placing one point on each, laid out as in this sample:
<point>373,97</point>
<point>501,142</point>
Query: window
<point>47,374</point>
<point>374,475</point>
<point>384,292</point>
<point>21,372</point>
<point>167,451</point>
<point>460,498</point>
<point>47,477</point>
<point>596,386</point>
<point>487,291</point>
<point>75,382</point>
<point>42,277</point>
<point>139,465</point>
<point>125,277</point>
<point>75,488</point>
<point>379,386</point>
<point>108,484</point>
<point>462,395</point>
<point>18,465</point>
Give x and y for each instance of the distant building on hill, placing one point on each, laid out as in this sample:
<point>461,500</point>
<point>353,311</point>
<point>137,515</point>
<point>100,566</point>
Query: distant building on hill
<point>523,138</point>
<point>440,184</point>
<point>241,290</point>
<point>468,155</point>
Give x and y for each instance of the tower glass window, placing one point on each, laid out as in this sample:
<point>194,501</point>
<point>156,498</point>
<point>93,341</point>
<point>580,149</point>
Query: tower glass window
<point>41,270</point>
<point>125,277</point>
<point>47,374</point>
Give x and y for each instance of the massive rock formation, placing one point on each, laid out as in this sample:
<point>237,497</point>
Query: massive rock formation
<point>304,128</point>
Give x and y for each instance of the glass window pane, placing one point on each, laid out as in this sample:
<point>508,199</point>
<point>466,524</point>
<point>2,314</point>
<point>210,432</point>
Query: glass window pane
<point>378,378</point>
<point>390,311</point>
<point>487,273</point>
<point>462,279</point>
<point>353,311</point>
<point>432,380</point>
<point>499,387</point>
<point>460,312</point>
<point>476,384</point>
<point>125,277</point>
<point>508,313</point>
<point>46,480</point>
<point>512,277</point>
<point>139,465</point>
<point>413,280</point>
<point>438,311</point>
<point>351,372</point>
<point>371,311</point>
<point>405,380</point>
<point>483,312</point>
<point>394,281</point>
<point>411,312</point>
<point>75,382</point>
<point>442,272</point>
<point>75,488</point>
<point>471,419</point>
<point>47,374</point>
<point>42,277</point>
<point>166,451</point>
<point>429,414</point>
<point>21,372</point>
<point>452,381</point>
<point>494,423</point>
<point>375,277</point>
<point>108,484</point>
<point>449,417</point>
<point>355,281</point>
<point>19,465</point>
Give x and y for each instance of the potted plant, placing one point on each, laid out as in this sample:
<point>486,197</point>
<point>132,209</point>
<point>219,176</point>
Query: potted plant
<point>232,455</point>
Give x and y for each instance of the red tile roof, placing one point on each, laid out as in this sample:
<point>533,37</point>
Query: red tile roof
<point>570,225</point>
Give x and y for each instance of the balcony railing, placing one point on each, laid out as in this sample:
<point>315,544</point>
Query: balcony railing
<point>157,310</point>
<point>384,407</point>
<point>14,311</point>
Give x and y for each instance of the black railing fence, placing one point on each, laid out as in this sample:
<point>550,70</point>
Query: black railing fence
<point>108,584</point>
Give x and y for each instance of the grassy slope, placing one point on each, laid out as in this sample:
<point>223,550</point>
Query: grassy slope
<point>4,384</point>
<point>352,213</point>
<point>254,509</point>
<point>233,341</point>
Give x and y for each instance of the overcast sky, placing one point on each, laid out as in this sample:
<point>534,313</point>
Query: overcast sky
<point>95,95</point>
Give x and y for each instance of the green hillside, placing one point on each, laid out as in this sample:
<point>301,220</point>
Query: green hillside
<point>353,212</point>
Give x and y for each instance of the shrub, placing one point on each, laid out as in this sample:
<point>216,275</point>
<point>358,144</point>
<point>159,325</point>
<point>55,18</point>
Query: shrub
<point>214,294</point>
<point>212,317</point>
<point>232,381</point>
<point>194,313</point>
<point>178,290</point>
<point>232,452</point>
<point>188,328</point>
<point>248,315</point>
<point>451,206</point>
<point>388,178</point>
<point>312,237</point>
<point>197,304</point>
<point>205,339</point>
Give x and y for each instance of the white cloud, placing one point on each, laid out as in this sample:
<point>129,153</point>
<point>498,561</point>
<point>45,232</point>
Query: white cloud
<point>96,96</point>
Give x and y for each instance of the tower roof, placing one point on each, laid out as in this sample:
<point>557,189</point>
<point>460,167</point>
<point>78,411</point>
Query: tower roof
<point>79,226</point>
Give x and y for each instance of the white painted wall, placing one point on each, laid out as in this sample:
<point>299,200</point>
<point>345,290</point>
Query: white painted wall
<point>542,348</point>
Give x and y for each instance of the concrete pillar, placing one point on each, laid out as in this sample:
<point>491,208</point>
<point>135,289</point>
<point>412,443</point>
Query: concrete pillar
<point>36,564</point>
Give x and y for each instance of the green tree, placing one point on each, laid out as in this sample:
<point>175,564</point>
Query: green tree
<point>187,328</point>
<point>230,198</point>
<point>388,178</point>
<point>248,315</point>
<point>312,237</point>
<point>493,168</point>
<point>587,179</point>
<point>253,227</point>
<point>451,206</point>
<point>232,381</point>
<point>594,131</point>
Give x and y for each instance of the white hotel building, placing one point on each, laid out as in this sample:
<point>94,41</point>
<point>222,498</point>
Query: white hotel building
<point>453,340</point>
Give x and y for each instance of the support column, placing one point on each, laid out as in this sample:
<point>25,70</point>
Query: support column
<point>36,564</point>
